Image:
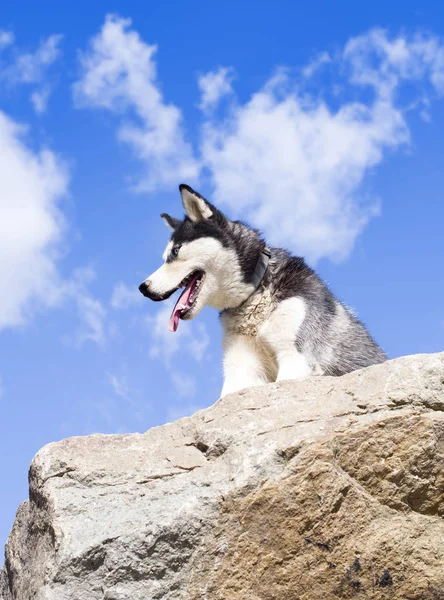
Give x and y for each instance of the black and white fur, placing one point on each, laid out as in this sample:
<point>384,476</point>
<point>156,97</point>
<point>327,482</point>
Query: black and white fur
<point>291,327</point>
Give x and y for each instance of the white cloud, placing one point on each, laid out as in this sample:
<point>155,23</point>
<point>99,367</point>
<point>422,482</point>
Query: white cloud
<point>32,227</point>
<point>6,38</point>
<point>91,311</point>
<point>119,74</point>
<point>93,315</point>
<point>294,170</point>
<point>32,185</point>
<point>164,344</point>
<point>32,68</point>
<point>293,166</point>
<point>124,296</point>
<point>119,386</point>
<point>322,59</point>
<point>200,341</point>
<point>214,85</point>
<point>39,99</point>
<point>133,407</point>
<point>384,63</point>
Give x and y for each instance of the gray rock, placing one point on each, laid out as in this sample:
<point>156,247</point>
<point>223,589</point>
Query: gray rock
<point>115,517</point>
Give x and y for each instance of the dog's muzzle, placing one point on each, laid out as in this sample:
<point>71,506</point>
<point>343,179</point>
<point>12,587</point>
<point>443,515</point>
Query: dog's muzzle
<point>144,288</point>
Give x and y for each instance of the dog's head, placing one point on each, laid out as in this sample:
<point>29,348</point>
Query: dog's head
<point>201,257</point>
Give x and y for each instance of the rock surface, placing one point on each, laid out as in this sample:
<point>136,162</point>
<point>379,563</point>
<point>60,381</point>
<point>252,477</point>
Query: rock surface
<point>326,488</point>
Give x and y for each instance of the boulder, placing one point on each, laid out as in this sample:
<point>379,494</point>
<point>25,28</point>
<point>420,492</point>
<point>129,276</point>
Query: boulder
<point>324,488</point>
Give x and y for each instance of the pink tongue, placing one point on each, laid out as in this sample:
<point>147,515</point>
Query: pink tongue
<point>181,304</point>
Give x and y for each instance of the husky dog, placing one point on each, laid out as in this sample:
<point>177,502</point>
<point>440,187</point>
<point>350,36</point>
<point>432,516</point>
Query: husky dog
<point>280,320</point>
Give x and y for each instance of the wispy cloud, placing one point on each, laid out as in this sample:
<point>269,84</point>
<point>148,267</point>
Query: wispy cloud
<point>91,311</point>
<point>92,314</point>
<point>31,68</point>
<point>6,38</point>
<point>383,63</point>
<point>214,86</point>
<point>184,383</point>
<point>40,99</point>
<point>119,385</point>
<point>124,296</point>
<point>119,74</point>
<point>191,340</point>
<point>321,59</point>
<point>165,344</point>
<point>200,341</point>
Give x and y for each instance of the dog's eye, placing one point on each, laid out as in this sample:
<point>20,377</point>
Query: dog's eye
<point>175,251</point>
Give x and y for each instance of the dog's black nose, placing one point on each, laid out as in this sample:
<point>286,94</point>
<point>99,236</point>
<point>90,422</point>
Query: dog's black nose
<point>143,288</point>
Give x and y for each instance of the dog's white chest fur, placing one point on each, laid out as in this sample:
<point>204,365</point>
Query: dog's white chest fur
<point>259,342</point>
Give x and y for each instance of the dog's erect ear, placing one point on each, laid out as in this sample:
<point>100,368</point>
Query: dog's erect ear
<point>196,207</point>
<point>171,222</point>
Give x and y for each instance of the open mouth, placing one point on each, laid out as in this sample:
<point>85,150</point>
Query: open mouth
<point>187,299</point>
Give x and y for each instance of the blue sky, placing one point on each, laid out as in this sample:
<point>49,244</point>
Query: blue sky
<point>320,123</point>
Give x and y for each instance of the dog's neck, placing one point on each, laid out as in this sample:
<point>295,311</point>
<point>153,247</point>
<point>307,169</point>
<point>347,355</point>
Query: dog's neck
<point>247,318</point>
